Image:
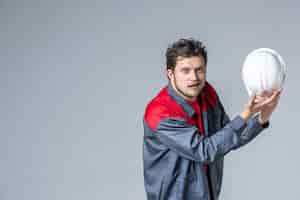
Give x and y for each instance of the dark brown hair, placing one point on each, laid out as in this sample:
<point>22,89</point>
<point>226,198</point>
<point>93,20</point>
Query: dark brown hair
<point>184,48</point>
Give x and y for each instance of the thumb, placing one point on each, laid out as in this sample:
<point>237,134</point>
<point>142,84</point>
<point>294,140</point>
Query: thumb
<point>252,99</point>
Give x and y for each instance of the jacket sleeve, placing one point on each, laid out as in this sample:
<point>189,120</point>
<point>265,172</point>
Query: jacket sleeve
<point>252,129</point>
<point>185,140</point>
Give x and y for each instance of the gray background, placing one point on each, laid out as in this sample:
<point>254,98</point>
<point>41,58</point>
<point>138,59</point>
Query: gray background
<point>76,76</point>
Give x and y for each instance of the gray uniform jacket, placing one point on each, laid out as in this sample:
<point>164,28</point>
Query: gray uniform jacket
<point>174,153</point>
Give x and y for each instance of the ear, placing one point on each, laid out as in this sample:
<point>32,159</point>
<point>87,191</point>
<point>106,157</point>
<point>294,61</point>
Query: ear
<point>170,74</point>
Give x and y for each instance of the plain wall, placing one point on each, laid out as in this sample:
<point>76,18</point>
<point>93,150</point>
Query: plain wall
<point>75,77</point>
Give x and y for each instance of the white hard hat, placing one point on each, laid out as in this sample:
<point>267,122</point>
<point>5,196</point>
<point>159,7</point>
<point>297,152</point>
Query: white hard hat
<point>263,70</point>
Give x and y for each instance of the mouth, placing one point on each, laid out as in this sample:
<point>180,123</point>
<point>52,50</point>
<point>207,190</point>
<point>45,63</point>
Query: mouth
<point>196,85</point>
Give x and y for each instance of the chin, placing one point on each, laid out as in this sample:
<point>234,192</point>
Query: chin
<point>194,94</point>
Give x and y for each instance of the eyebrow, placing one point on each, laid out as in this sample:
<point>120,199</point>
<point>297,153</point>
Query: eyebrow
<point>199,67</point>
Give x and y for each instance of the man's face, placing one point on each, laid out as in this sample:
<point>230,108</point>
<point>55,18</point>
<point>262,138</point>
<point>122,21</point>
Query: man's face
<point>189,76</point>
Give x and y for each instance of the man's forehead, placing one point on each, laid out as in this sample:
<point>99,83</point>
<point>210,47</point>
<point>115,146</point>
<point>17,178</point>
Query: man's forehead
<point>194,61</point>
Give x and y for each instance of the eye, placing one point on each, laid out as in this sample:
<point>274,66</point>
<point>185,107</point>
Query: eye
<point>200,70</point>
<point>185,70</point>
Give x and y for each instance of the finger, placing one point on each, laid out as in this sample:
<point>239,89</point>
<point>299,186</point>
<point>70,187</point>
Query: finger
<point>260,98</point>
<point>266,93</point>
<point>277,89</point>
<point>272,98</point>
<point>278,92</point>
<point>257,101</point>
<point>277,97</point>
<point>252,100</point>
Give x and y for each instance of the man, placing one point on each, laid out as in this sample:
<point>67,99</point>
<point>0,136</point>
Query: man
<point>187,132</point>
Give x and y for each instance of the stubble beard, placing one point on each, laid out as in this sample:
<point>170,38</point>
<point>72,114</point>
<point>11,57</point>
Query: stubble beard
<point>186,95</point>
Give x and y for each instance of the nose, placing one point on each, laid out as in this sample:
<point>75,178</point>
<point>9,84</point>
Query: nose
<point>194,76</point>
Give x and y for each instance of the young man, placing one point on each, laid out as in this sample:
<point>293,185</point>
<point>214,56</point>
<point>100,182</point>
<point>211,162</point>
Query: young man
<point>187,132</point>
